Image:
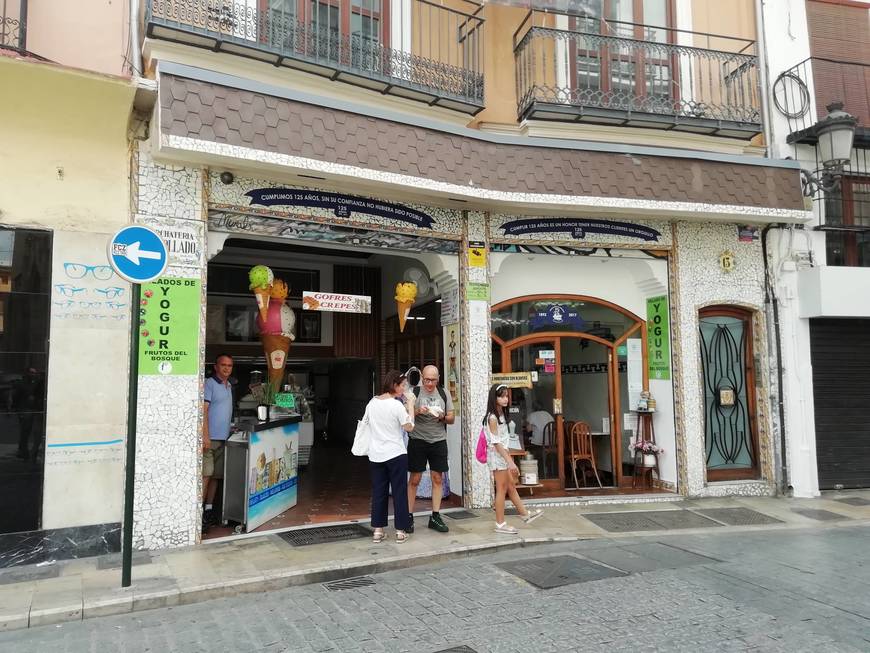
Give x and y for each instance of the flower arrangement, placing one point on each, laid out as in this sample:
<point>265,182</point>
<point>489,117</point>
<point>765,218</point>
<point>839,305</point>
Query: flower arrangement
<point>645,447</point>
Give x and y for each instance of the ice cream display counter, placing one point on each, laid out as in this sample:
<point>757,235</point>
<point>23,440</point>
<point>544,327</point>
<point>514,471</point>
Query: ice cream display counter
<point>261,464</point>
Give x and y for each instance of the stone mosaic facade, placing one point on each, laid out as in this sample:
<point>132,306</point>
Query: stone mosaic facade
<point>698,280</point>
<point>167,509</point>
<point>476,365</point>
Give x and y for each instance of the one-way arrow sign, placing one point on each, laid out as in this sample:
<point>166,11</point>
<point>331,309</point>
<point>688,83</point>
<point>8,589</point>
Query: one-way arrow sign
<point>138,254</point>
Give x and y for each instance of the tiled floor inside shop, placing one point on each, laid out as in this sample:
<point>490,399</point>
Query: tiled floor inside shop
<point>334,486</point>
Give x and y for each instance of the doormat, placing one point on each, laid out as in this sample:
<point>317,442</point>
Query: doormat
<point>739,516</point>
<point>460,514</point>
<point>656,520</point>
<point>558,571</point>
<point>854,501</point>
<point>818,515</point>
<point>349,583</point>
<point>325,534</point>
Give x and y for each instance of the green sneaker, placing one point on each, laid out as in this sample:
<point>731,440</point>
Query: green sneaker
<point>437,524</point>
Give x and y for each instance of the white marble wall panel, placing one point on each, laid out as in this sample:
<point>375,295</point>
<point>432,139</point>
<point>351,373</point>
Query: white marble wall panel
<point>700,281</point>
<point>167,507</point>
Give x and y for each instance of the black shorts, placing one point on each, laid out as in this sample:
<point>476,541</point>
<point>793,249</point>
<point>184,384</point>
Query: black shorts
<point>420,452</point>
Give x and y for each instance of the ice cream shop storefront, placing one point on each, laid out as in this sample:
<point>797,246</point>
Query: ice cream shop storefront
<point>315,294</point>
<point>633,346</point>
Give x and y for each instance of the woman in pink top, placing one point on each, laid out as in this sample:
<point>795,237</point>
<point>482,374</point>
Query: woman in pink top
<point>388,457</point>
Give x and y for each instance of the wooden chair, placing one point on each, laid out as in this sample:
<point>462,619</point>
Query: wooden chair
<point>580,449</point>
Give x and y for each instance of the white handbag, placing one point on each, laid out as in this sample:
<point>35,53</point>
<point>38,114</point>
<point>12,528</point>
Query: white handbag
<point>363,437</point>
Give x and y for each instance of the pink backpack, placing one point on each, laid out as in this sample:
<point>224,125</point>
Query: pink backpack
<point>480,452</point>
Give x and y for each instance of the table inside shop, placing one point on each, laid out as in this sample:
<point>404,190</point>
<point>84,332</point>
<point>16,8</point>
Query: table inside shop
<point>521,453</point>
<point>261,463</point>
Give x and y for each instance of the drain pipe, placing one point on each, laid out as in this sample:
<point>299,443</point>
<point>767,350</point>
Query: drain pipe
<point>771,301</point>
<point>135,47</point>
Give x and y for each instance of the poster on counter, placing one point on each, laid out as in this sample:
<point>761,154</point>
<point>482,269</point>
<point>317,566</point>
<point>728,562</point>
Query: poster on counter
<point>169,327</point>
<point>274,460</point>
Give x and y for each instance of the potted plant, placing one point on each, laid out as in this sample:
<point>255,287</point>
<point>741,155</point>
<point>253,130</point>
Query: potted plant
<point>649,450</point>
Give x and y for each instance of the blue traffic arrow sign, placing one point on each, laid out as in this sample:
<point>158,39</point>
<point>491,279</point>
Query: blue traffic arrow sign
<point>138,254</point>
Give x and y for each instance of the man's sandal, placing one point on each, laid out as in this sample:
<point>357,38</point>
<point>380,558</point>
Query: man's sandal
<point>378,536</point>
<point>401,536</point>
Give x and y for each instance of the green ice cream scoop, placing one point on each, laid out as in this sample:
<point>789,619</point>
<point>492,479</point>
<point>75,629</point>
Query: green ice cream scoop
<point>260,276</point>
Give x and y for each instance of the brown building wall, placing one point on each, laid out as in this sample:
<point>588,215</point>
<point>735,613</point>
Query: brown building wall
<point>236,117</point>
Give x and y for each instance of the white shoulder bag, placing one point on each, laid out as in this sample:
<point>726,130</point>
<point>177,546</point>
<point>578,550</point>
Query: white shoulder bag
<point>363,437</point>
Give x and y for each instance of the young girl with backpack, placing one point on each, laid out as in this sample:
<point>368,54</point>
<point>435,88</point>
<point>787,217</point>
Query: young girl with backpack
<point>499,460</point>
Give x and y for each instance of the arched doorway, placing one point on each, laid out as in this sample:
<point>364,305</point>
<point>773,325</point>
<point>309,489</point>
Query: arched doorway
<point>586,357</point>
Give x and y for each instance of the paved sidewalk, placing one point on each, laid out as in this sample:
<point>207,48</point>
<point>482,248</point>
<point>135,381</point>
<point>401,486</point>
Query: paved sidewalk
<point>79,589</point>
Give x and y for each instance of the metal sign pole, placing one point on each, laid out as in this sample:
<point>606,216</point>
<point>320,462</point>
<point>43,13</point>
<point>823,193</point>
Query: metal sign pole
<point>132,403</point>
<point>137,254</point>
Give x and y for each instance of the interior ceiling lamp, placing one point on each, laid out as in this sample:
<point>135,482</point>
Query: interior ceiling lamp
<point>835,133</point>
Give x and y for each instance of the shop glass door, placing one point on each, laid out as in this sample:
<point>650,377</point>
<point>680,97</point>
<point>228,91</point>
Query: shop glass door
<point>587,377</point>
<point>535,411</point>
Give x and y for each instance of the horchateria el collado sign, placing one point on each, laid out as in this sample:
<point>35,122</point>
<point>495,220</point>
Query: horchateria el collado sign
<point>336,302</point>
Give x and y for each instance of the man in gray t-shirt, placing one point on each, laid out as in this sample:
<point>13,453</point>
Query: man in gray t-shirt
<point>427,443</point>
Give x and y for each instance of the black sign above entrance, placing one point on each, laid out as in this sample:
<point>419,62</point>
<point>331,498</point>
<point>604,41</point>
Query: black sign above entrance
<point>341,205</point>
<point>578,228</point>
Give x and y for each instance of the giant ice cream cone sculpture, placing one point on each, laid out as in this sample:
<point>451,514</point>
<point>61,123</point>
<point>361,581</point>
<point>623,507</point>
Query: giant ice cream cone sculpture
<point>276,330</point>
<point>261,279</point>
<point>406,293</point>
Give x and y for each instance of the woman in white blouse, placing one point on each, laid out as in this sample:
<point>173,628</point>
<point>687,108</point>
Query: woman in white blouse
<point>388,457</point>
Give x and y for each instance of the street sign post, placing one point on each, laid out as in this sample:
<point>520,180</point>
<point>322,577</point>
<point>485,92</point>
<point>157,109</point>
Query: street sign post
<point>139,255</point>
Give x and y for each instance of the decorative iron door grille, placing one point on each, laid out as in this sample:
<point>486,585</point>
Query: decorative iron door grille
<point>729,405</point>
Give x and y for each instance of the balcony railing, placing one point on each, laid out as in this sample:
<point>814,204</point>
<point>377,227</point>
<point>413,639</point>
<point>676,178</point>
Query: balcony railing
<point>580,68</point>
<point>416,48</point>
<point>13,24</point>
<point>832,80</point>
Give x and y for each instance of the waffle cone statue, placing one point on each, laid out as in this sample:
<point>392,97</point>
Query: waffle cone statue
<point>406,293</point>
<point>275,321</point>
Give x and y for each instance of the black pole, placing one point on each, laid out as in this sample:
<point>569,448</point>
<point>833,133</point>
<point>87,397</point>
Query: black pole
<point>132,401</point>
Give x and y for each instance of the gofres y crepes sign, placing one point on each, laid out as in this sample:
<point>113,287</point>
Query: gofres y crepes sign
<point>336,302</point>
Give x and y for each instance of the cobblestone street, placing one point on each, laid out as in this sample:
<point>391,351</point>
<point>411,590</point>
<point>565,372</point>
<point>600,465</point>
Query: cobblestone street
<point>762,590</point>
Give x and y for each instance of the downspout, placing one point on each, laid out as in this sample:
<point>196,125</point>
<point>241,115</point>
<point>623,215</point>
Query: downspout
<point>771,301</point>
<point>763,76</point>
<point>135,48</point>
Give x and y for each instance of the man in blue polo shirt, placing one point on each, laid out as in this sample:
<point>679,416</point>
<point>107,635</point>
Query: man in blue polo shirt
<point>216,421</point>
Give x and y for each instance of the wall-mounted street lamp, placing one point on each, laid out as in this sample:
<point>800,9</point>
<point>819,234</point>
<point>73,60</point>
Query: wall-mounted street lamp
<point>835,133</point>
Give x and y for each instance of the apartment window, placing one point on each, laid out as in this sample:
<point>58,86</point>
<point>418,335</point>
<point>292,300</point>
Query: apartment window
<point>849,209</point>
<point>623,72</point>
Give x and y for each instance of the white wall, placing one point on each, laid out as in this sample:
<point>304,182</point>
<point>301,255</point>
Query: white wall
<point>626,279</point>
<point>86,423</point>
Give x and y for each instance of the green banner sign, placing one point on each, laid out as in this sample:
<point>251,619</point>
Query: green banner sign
<point>169,327</point>
<point>658,337</point>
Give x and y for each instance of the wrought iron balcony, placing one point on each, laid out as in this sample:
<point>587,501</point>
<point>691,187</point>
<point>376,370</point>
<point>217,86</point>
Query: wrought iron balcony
<point>13,25</point>
<point>415,49</point>
<point>581,68</point>
<point>844,81</point>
